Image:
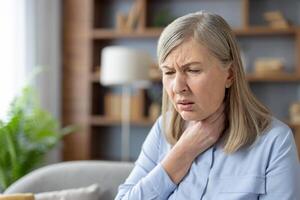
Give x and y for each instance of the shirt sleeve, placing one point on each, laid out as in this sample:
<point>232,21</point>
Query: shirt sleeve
<point>283,171</point>
<point>148,179</point>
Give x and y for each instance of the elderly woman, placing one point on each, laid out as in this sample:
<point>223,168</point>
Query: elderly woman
<point>215,140</point>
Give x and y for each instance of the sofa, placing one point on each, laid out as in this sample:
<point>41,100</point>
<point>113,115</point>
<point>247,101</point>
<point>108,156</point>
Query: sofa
<point>68,175</point>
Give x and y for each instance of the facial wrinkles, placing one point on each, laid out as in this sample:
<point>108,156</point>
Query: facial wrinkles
<point>179,57</point>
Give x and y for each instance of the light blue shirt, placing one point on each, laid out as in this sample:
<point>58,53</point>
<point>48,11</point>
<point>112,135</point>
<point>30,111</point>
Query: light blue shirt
<point>268,170</point>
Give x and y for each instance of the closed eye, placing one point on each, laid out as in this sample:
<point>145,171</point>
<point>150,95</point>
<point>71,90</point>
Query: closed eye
<point>169,73</point>
<point>194,71</point>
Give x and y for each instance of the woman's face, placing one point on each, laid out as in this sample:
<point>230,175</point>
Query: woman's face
<point>194,80</point>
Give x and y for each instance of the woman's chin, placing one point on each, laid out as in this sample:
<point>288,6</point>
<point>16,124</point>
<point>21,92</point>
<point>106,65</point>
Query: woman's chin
<point>190,116</point>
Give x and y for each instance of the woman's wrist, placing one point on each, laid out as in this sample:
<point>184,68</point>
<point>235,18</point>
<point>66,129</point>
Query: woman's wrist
<point>184,152</point>
<point>177,163</point>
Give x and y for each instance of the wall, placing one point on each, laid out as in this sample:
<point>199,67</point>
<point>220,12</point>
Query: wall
<point>43,41</point>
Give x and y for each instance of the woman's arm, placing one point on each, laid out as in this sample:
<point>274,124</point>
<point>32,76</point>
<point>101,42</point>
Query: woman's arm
<point>148,179</point>
<point>198,137</point>
<point>283,171</point>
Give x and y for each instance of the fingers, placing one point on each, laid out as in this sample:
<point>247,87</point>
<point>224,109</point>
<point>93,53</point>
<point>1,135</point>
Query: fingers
<point>200,136</point>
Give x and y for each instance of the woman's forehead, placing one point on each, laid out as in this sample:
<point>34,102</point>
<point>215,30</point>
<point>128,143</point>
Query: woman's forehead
<point>188,51</point>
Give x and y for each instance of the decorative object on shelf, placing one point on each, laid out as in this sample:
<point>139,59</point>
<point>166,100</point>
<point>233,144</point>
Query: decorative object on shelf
<point>276,19</point>
<point>294,111</point>
<point>131,21</point>
<point>268,66</point>
<point>113,108</point>
<point>155,95</point>
<point>154,111</point>
<point>126,67</point>
<point>137,105</point>
<point>121,19</point>
<point>155,72</point>
<point>162,18</point>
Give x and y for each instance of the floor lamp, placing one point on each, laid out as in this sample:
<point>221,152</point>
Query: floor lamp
<point>125,67</point>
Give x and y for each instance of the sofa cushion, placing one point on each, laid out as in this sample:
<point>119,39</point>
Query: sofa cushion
<point>91,192</point>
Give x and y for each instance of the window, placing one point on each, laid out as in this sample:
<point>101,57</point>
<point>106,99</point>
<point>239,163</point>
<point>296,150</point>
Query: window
<point>12,51</point>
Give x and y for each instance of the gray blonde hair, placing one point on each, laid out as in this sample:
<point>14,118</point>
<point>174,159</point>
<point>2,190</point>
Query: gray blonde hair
<point>246,117</point>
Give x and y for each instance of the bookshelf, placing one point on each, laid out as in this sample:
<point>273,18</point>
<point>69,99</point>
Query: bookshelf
<point>88,27</point>
<point>155,32</point>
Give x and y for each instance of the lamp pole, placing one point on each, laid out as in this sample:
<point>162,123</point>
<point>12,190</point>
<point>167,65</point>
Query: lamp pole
<point>125,129</point>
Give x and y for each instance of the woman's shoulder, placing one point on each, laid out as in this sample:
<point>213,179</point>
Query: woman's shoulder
<point>158,125</point>
<point>277,135</point>
<point>278,144</point>
<point>157,129</point>
<point>160,134</point>
<point>277,130</point>
<point>275,143</point>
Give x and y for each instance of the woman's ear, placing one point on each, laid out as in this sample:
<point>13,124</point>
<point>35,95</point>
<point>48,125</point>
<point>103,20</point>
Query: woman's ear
<point>229,79</point>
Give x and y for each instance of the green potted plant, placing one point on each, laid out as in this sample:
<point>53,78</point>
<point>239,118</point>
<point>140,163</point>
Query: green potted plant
<point>26,136</point>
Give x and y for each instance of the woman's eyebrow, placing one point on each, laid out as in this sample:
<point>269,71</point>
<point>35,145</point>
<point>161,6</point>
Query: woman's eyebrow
<point>166,67</point>
<point>183,66</point>
<point>191,63</point>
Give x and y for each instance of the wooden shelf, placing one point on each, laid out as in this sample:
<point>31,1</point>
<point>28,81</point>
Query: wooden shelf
<point>106,121</point>
<point>114,34</point>
<point>155,32</point>
<point>265,30</point>
<point>284,77</point>
<point>95,77</point>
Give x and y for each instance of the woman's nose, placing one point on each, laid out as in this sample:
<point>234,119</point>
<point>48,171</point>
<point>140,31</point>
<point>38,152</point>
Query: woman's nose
<point>179,84</point>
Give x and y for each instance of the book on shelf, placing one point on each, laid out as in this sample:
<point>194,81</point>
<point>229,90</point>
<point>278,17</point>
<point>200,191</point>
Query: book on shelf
<point>113,106</point>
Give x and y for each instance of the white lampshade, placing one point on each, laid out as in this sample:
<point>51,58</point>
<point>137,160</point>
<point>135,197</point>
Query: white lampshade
<point>124,66</point>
